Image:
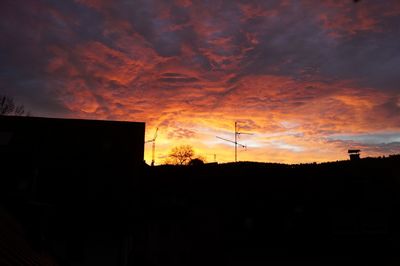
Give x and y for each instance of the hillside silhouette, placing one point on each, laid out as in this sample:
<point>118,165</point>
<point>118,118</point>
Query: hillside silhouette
<point>230,214</point>
<point>69,204</point>
<point>319,214</point>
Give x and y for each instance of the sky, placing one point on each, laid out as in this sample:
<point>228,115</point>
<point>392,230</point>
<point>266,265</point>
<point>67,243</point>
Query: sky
<point>309,79</point>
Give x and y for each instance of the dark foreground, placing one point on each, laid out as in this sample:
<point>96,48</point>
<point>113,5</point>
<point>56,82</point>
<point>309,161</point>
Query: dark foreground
<point>344,213</point>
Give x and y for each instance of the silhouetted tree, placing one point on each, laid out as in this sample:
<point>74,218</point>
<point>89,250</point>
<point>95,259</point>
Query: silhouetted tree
<point>8,107</point>
<point>181,155</point>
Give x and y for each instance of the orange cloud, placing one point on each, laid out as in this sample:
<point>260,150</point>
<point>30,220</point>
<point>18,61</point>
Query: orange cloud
<point>289,119</point>
<point>193,69</point>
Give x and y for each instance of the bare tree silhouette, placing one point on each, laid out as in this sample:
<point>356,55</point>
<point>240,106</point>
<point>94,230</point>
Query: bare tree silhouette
<point>9,107</point>
<point>181,155</point>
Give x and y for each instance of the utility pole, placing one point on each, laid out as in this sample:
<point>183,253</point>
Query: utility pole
<point>214,156</point>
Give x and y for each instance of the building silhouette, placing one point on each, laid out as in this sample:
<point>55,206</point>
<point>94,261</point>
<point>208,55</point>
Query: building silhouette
<point>65,180</point>
<point>354,154</point>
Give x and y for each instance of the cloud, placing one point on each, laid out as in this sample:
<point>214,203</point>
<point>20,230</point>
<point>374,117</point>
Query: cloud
<point>294,73</point>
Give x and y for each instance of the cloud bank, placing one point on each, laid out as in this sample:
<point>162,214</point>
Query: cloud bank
<point>309,79</point>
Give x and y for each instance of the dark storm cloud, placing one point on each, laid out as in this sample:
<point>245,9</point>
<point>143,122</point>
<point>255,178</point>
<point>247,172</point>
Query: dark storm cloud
<point>28,29</point>
<point>293,43</point>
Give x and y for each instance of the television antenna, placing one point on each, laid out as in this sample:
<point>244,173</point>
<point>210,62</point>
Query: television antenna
<point>237,134</point>
<point>153,148</point>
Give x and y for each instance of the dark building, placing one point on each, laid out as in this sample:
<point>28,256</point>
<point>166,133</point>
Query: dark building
<point>65,181</point>
<point>71,141</point>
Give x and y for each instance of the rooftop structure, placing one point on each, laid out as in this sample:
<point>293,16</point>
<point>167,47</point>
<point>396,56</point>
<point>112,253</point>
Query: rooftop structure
<point>354,154</point>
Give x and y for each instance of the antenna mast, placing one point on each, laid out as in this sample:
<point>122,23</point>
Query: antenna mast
<point>237,133</point>
<point>153,147</point>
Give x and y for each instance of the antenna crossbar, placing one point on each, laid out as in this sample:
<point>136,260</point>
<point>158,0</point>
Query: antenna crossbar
<point>231,141</point>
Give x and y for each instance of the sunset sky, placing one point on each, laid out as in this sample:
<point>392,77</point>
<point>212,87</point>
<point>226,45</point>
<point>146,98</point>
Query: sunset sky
<point>310,79</point>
